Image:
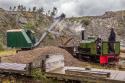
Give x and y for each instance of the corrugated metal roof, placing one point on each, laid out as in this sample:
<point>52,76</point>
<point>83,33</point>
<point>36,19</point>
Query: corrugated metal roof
<point>14,30</point>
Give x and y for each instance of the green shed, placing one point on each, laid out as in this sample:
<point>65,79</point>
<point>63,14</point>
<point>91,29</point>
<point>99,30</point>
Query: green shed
<point>18,38</point>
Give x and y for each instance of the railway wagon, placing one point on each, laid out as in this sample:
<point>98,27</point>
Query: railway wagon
<point>88,50</point>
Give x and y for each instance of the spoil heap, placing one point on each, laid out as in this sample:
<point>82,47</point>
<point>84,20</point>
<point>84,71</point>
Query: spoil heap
<point>31,55</point>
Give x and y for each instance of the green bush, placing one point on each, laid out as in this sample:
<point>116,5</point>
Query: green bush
<point>38,75</point>
<point>86,22</point>
<point>29,26</point>
<point>1,47</point>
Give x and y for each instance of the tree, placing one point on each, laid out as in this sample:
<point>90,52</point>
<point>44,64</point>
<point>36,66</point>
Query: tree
<point>10,8</point>
<point>41,10</point>
<point>14,8</point>
<point>54,11</point>
<point>18,7</point>
<point>29,9</point>
<point>21,7</point>
<point>24,8</point>
<point>49,12</point>
<point>34,9</point>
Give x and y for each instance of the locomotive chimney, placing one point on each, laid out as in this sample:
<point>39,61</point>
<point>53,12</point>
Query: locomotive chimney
<point>82,34</point>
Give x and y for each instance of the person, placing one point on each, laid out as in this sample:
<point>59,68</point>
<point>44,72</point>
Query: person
<point>112,39</point>
<point>98,44</point>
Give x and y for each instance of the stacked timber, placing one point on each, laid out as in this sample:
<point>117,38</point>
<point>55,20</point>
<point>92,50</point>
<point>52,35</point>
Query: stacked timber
<point>14,68</point>
<point>87,73</point>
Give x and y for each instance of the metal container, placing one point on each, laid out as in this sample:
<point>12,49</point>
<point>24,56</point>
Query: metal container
<point>18,38</point>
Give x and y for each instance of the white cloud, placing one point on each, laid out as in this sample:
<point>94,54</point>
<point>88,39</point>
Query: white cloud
<point>71,7</point>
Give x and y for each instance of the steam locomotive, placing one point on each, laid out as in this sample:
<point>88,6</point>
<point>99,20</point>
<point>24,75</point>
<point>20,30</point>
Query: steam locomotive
<point>89,49</point>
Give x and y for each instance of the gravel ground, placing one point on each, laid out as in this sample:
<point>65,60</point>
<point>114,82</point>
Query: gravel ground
<point>31,55</point>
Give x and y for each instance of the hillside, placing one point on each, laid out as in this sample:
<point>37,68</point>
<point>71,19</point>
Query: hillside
<point>38,22</point>
<point>100,25</point>
<point>22,19</point>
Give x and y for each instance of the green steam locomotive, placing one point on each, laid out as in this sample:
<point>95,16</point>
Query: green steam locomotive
<point>88,49</point>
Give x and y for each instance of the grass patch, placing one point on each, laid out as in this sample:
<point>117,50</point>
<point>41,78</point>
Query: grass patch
<point>7,52</point>
<point>38,75</point>
<point>1,46</point>
<point>29,26</point>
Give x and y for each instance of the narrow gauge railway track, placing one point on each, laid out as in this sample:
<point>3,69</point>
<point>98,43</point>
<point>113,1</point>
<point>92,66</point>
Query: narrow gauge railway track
<point>68,78</point>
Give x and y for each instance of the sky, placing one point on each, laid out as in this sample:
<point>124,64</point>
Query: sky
<point>70,7</point>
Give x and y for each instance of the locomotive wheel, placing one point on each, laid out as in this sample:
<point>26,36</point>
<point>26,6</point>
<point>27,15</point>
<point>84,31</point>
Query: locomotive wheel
<point>94,59</point>
<point>79,56</point>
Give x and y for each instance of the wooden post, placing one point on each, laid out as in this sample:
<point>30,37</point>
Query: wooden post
<point>30,68</point>
<point>42,66</point>
<point>0,60</point>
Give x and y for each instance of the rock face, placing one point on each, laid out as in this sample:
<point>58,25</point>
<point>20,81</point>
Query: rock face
<point>100,25</point>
